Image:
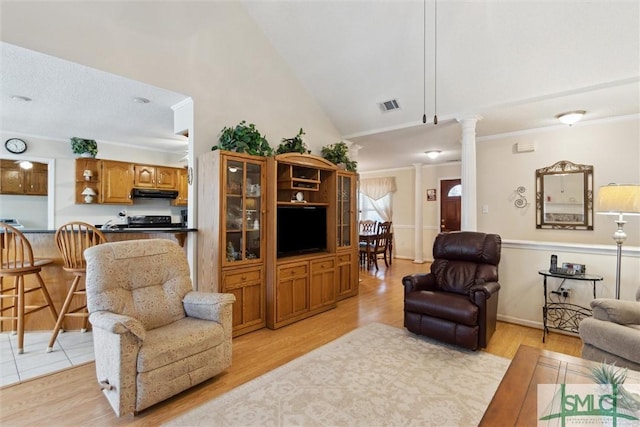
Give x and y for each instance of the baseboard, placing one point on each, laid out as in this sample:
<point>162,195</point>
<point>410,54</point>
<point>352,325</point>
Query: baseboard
<point>530,324</point>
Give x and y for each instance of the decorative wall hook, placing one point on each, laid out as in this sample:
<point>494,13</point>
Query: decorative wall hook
<point>521,200</point>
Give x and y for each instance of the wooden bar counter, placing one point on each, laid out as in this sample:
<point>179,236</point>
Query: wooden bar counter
<point>57,280</point>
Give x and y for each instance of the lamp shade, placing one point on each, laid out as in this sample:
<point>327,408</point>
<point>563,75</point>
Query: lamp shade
<point>616,199</point>
<point>88,192</point>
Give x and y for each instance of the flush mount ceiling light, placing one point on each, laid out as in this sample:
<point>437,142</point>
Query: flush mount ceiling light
<point>20,98</point>
<point>433,154</point>
<point>571,117</point>
<point>141,100</point>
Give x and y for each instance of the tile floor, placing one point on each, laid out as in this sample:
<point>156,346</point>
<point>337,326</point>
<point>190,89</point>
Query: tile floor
<point>72,348</point>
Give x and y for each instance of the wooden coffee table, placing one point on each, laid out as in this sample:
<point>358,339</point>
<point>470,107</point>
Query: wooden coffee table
<point>515,401</point>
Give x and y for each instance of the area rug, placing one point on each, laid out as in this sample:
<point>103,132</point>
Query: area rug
<point>376,375</point>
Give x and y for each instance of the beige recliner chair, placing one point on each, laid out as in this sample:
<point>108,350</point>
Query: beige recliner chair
<point>613,333</point>
<point>153,335</point>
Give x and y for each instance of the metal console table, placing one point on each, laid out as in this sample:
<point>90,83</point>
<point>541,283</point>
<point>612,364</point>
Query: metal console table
<point>564,316</point>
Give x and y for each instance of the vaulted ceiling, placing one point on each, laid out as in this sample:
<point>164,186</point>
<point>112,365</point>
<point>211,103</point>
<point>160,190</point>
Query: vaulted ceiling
<point>514,64</point>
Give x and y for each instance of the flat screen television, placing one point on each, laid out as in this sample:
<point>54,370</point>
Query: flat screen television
<point>301,230</point>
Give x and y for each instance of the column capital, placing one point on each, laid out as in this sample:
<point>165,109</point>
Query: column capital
<point>469,118</point>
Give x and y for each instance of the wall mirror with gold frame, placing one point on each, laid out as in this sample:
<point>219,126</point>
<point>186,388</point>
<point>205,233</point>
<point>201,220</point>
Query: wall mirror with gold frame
<point>564,196</point>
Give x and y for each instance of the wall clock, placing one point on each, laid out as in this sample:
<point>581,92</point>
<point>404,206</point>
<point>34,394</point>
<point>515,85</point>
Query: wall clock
<point>15,145</point>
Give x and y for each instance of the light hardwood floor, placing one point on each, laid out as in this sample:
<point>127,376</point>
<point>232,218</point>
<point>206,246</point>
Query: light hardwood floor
<point>72,397</point>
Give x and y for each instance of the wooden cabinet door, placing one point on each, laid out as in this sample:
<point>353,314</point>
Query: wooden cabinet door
<point>183,189</point>
<point>322,287</point>
<point>144,176</point>
<point>347,276</point>
<point>249,309</point>
<point>291,291</point>
<point>36,180</point>
<point>117,181</point>
<point>11,181</point>
<point>166,178</point>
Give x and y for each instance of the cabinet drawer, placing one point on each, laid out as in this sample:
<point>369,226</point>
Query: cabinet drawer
<point>342,259</point>
<point>294,270</point>
<point>233,280</point>
<point>323,264</point>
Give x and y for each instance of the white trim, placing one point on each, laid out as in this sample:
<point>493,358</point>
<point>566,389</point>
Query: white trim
<point>629,251</point>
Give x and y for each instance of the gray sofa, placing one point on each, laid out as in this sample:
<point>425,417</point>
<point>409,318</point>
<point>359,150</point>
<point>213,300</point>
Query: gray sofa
<point>613,333</point>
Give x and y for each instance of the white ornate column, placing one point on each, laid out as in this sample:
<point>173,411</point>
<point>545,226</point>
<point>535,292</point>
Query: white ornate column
<point>417,240</point>
<point>469,214</point>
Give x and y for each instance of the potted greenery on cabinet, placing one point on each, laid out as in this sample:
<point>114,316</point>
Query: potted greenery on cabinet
<point>243,138</point>
<point>84,147</point>
<point>293,145</point>
<point>338,154</point>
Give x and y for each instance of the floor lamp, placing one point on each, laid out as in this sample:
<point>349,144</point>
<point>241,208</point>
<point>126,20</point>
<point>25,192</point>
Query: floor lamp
<point>620,200</point>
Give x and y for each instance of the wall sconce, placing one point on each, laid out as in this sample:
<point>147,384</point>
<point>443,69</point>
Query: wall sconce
<point>88,194</point>
<point>521,200</point>
<point>571,117</point>
<point>87,175</point>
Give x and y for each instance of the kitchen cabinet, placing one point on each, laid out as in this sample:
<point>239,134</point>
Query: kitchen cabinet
<point>183,188</point>
<point>149,176</point>
<point>116,181</point>
<point>26,182</point>
<point>231,232</point>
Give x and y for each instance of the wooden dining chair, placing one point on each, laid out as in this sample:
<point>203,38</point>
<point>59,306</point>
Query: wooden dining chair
<point>380,246</point>
<point>72,239</point>
<point>17,261</point>
<point>367,226</point>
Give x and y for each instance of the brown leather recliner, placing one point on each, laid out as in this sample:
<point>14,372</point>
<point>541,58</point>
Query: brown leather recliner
<point>457,302</point>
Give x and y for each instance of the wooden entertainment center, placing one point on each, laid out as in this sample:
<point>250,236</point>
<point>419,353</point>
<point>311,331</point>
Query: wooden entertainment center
<point>280,271</point>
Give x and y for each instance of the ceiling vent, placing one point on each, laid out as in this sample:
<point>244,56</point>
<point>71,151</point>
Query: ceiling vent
<point>389,105</point>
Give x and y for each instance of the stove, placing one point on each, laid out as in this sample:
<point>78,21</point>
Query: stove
<point>152,221</point>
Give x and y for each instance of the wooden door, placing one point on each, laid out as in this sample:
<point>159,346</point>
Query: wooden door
<point>322,287</point>
<point>144,176</point>
<point>36,180</point>
<point>292,286</point>
<point>166,178</point>
<point>116,182</point>
<point>450,205</point>
<point>11,178</point>
<point>248,287</point>
<point>183,189</point>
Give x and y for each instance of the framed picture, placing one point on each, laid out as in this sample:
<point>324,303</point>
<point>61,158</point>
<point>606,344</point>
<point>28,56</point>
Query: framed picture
<point>431,195</point>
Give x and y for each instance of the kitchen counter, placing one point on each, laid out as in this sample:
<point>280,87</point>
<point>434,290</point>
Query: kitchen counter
<point>125,230</point>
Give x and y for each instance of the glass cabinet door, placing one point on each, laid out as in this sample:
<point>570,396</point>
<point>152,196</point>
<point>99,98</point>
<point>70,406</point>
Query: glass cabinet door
<point>243,207</point>
<point>344,210</point>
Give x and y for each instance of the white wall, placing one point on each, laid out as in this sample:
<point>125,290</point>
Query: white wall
<point>230,69</point>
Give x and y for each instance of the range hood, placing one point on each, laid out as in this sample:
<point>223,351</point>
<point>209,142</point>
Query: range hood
<point>153,193</point>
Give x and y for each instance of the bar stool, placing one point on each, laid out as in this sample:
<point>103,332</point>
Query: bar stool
<point>17,261</point>
<point>72,239</point>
